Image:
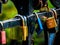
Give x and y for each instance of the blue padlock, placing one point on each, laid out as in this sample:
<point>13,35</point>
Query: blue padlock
<point>51,38</point>
<point>40,26</point>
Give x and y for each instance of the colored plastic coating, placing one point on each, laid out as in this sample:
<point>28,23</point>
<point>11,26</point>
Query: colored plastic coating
<point>39,24</point>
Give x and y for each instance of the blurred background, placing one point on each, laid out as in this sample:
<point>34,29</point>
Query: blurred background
<point>9,11</point>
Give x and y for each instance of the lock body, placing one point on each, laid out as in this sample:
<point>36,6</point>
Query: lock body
<point>40,26</point>
<point>25,32</point>
<point>39,22</point>
<point>3,37</point>
<point>51,23</point>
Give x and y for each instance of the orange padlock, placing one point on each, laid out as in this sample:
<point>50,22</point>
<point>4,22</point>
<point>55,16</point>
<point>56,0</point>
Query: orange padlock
<point>51,22</point>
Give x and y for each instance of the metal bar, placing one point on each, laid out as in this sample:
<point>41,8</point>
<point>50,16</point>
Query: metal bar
<point>45,13</point>
<point>16,22</point>
<point>11,23</point>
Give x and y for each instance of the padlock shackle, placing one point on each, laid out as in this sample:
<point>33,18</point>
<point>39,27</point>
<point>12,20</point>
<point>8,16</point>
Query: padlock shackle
<point>1,23</point>
<point>55,13</point>
<point>21,17</point>
<point>36,14</point>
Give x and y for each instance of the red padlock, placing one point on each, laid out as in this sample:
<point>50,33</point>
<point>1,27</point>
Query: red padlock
<point>3,37</point>
<point>2,34</point>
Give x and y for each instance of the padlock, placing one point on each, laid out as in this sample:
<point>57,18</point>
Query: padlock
<point>51,38</point>
<point>51,22</point>
<point>39,24</point>
<point>3,35</point>
<point>23,26</point>
<point>25,29</point>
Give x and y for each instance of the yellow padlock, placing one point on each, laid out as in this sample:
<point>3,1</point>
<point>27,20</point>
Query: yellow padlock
<point>25,29</point>
<point>51,22</point>
<point>25,32</point>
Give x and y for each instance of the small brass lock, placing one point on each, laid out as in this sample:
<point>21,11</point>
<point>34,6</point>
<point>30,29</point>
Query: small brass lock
<point>24,28</point>
<point>25,32</point>
<point>51,23</point>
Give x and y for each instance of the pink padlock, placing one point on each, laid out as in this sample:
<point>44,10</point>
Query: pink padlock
<point>3,37</point>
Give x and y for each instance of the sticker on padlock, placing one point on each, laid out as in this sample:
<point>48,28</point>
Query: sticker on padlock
<point>51,22</point>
